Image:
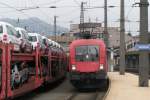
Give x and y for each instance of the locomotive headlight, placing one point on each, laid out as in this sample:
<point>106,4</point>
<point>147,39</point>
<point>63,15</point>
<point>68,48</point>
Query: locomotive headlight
<point>73,67</point>
<point>101,67</point>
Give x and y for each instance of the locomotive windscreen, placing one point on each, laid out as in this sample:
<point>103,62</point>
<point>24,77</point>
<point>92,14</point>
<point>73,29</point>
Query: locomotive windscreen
<point>87,53</point>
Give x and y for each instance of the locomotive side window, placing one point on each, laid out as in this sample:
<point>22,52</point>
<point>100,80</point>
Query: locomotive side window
<point>87,53</point>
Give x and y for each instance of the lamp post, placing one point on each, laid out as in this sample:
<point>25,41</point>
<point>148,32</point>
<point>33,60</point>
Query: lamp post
<point>55,24</point>
<point>106,35</point>
<point>144,38</point>
<point>55,27</point>
<point>122,39</point>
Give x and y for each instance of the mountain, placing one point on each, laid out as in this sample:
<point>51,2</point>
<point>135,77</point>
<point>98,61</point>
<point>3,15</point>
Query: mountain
<point>35,25</point>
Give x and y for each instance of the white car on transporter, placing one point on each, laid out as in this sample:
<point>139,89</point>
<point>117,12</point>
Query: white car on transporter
<point>50,43</point>
<point>45,41</point>
<point>26,45</point>
<point>8,35</point>
<point>36,40</point>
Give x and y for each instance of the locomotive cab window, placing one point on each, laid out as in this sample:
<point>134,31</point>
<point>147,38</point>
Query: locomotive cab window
<point>87,53</point>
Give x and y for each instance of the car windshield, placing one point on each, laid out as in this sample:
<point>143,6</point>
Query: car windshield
<point>32,38</point>
<point>87,53</point>
<point>1,29</point>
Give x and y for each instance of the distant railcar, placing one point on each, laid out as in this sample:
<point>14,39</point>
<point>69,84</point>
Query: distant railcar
<point>88,63</point>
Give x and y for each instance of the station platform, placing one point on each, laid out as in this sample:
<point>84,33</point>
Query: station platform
<point>125,87</point>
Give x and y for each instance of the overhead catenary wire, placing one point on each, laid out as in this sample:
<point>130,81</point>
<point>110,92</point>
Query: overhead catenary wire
<point>128,20</point>
<point>77,2</point>
<point>69,12</point>
<point>52,2</point>
<point>48,17</point>
<point>18,11</point>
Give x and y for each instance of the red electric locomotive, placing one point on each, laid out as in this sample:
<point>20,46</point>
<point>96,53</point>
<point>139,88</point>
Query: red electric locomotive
<point>88,63</point>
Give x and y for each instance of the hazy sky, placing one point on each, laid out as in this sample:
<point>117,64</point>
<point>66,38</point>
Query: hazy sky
<point>68,11</point>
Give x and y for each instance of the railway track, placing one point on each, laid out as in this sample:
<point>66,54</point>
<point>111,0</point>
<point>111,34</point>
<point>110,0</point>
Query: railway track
<point>99,94</point>
<point>64,91</point>
<point>87,96</point>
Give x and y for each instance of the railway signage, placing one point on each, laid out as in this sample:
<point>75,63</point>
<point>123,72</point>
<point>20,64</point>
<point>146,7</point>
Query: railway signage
<point>143,47</point>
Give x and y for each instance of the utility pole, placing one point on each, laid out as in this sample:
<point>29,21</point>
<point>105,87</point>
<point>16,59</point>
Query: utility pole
<point>82,18</point>
<point>106,36</point>
<point>18,22</point>
<point>55,27</point>
<point>122,39</point>
<point>144,56</point>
